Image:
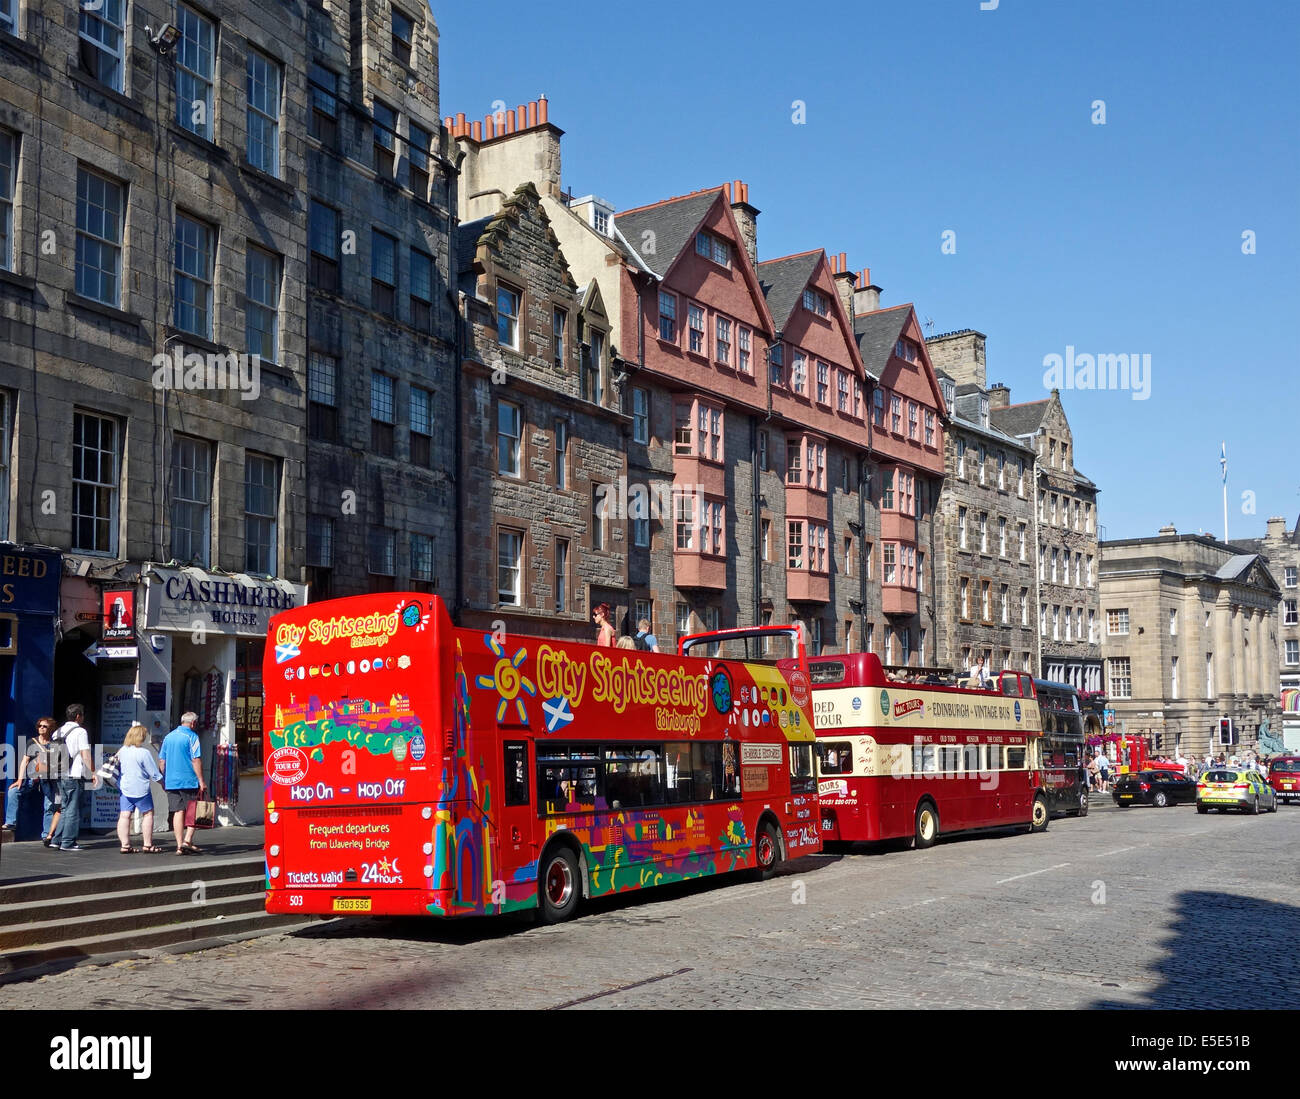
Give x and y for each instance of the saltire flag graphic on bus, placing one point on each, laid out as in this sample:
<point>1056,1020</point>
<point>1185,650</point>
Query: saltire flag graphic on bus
<point>558,714</point>
<point>286,650</point>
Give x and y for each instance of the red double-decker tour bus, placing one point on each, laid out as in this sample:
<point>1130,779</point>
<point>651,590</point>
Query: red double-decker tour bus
<point>906,760</point>
<point>418,768</point>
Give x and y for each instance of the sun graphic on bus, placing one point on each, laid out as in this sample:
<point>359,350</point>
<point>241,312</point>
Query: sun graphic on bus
<point>506,680</point>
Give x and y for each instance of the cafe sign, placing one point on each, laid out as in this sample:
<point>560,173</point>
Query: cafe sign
<point>187,599</point>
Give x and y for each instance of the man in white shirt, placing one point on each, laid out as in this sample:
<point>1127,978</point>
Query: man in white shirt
<point>979,674</point>
<point>77,743</point>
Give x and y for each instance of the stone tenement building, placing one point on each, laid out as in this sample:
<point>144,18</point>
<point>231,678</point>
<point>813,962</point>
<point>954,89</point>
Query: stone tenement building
<point>1065,535</point>
<point>542,453</point>
<point>987,569</point>
<point>152,233</point>
<point>1281,550</point>
<point>380,324</point>
<point>1191,629</point>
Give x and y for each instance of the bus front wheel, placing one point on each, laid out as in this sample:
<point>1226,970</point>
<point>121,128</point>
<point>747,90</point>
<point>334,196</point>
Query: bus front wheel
<point>767,852</point>
<point>1039,815</point>
<point>557,887</point>
<point>927,825</point>
<point>1083,803</point>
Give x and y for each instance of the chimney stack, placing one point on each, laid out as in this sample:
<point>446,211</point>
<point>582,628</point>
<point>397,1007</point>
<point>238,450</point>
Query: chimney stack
<point>999,395</point>
<point>866,294</point>
<point>746,216</point>
<point>1276,529</point>
<point>844,282</point>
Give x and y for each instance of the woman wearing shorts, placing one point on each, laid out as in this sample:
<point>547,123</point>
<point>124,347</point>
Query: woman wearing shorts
<point>138,771</point>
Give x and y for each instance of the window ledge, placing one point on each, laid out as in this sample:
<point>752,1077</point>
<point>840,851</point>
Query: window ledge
<point>202,144</point>
<point>109,311</point>
<point>17,281</point>
<point>20,46</point>
<point>112,95</point>
<point>189,340</point>
<point>265,179</point>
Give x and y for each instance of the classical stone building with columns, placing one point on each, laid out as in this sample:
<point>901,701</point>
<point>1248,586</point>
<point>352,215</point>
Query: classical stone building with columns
<point>1281,549</point>
<point>1189,636</point>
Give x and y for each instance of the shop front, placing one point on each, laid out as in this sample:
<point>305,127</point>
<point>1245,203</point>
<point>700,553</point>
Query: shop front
<point>29,609</point>
<point>201,650</point>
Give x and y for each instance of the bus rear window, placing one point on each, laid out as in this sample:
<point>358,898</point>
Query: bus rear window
<point>826,671</point>
<point>1015,759</point>
<point>1286,766</point>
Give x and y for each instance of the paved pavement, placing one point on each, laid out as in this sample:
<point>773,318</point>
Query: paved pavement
<point>1125,908</point>
<point>32,861</point>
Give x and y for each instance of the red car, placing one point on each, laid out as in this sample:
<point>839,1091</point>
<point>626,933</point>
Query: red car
<point>1284,777</point>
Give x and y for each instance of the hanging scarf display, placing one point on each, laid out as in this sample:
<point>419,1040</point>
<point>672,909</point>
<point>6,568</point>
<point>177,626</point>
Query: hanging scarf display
<point>226,778</point>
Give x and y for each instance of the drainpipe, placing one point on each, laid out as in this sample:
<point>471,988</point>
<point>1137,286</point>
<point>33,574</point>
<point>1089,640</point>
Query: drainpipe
<point>755,501</point>
<point>864,492</point>
<point>1038,577</point>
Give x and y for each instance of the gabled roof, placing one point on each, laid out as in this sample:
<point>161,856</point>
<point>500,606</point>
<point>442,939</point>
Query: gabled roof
<point>783,281</point>
<point>673,223</point>
<point>1236,567</point>
<point>1020,419</point>
<point>467,238</point>
<point>877,333</point>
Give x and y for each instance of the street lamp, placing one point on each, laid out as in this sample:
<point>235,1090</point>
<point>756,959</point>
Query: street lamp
<point>164,38</point>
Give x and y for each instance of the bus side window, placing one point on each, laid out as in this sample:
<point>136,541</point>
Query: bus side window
<point>1015,759</point>
<point>973,759</point>
<point>995,757</point>
<point>516,773</point>
<point>929,759</point>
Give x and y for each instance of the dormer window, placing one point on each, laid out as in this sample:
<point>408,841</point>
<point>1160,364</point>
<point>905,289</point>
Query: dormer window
<point>949,394</point>
<point>713,248</point>
<point>905,350</point>
<point>816,302</point>
<point>600,221</point>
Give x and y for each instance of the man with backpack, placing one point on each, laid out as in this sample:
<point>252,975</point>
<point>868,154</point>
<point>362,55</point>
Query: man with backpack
<point>76,742</point>
<point>644,639</point>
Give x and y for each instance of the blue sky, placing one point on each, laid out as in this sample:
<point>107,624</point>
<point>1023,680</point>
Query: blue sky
<point>934,115</point>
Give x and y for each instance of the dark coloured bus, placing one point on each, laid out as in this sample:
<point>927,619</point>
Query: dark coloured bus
<point>1064,741</point>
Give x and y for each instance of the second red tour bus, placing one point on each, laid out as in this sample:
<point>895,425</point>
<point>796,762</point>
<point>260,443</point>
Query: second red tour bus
<point>905,760</point>
<point>418,768</point>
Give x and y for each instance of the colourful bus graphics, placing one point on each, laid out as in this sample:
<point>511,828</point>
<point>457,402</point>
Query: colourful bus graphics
<point>414,767</point>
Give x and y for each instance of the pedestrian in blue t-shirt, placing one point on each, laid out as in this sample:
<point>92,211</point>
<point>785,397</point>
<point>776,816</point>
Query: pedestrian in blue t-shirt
<point>181,762</point>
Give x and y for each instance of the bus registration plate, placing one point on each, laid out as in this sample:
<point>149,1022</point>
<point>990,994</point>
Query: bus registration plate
<point>351,904</point>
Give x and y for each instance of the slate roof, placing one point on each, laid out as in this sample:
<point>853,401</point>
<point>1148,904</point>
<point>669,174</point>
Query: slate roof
<point>467,237</point>
<point>783,281</point>
<point>1236,566</point>
<point>1020,419</point>
<point>876,335</point>
<point>673,224</point>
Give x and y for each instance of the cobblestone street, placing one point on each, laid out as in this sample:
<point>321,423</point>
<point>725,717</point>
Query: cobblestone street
<point>1125,908</point>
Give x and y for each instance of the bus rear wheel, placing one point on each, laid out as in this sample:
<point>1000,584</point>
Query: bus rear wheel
<point>1083,803</point>
<point>1039,816</point>
<point>927,825</point>
<point>767,852</point>
<point>558,890</point>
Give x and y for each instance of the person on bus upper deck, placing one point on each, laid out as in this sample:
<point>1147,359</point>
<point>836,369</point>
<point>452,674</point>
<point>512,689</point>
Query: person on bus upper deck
<point>979,673</point>
<point>604,629</point>
<point>644,638</point>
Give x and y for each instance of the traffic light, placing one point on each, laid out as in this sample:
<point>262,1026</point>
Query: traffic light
<point>1227,735</point>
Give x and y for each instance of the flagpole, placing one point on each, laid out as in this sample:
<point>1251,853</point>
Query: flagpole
<point>1223,461</point>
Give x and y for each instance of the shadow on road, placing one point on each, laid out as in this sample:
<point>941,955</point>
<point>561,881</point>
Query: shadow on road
<point>1198,972</point>
<point>639,905</point>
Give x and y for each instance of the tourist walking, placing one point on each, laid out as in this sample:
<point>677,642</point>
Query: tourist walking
<point>605,632</point>
<point>138,771</point>
<point>76,742</point>
<point>181,761</point>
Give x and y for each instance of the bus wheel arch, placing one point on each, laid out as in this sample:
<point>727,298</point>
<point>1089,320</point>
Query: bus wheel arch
<point>561,879</point>
<point>926,829</point>
<point>769,852</point>
<point>1039,814</point>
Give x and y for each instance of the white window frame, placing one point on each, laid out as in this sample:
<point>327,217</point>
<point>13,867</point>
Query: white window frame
<point>262,291</point>
<point>92,18</point>
<point>256,514</point>
<point>510,464</point>
<point>191,492</point>
<point>510,563</point>
<point>640,415</point>
<point>265,90</point>
<point>104,486</point>
<point>205,251</point>
<point>91,230</point>
<point>189,51</point>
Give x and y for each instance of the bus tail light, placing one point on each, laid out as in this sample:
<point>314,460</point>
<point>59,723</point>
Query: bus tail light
<point>448,741</point>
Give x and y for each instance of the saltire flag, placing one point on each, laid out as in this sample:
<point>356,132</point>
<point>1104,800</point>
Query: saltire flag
<point>1223,460</point>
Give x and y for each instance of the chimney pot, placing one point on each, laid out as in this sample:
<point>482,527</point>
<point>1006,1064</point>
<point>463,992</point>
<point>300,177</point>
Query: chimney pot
<point>844,261</point>
<point>542,113</point>
<point>489,127</point>
<point>521,117</point>
<point>460,121</point>
<point>834,263</point>
<point>744,195</point>
<point>532,113</point>
<point>476,131</point>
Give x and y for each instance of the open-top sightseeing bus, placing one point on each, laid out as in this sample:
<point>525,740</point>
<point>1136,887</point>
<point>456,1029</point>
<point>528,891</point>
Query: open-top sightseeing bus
<point>1063,747</point>
<point>418,768</point>
<point>906,760</point>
